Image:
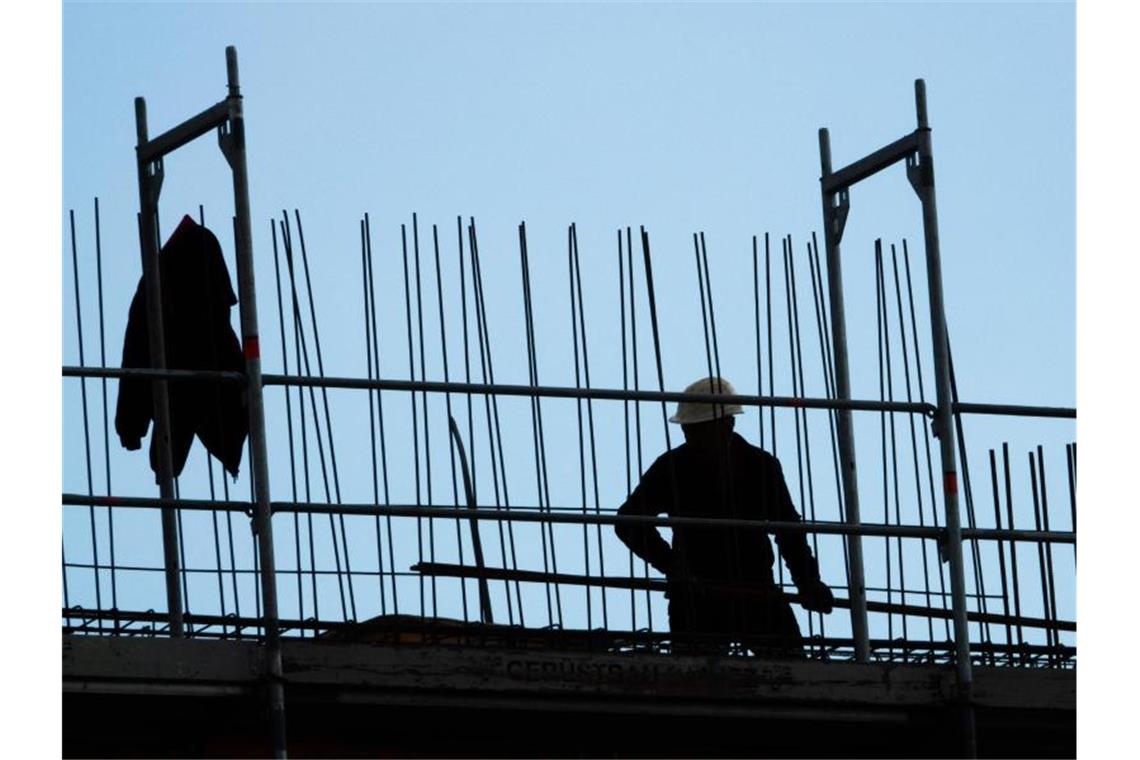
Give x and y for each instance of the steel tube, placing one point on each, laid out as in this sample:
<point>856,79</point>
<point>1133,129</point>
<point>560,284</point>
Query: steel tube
<point>150,180</point>
<point>549,391</point>
<point>875,162</point>
<point>233,143</point>
<point>923,180</point>
<point>844,428</point>
<point>188,131</point>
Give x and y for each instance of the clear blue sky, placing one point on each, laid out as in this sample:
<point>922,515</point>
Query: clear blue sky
<point>679,117</point>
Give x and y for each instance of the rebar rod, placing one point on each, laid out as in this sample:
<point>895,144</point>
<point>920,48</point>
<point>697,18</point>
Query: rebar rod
<point>581,426</point>
<point>590,418</point>
<point>1071,463</point>
<point>979,577</point>
<point>83,394</point>
<point>380,404</point>
<point>424,403</point>
<point>452,440</point>
<point>910,421</point>
<point>471,412</point>
<point>704,307</point>
<point>106,419</point>
<point>368,343</point>
<point>492,405</point>
<point>881,340</point>
<point>542,481</point>
<point>820,302</point>
<point>325,403</point>
<point>1001,545</point>
<point>625,410</point>
<point>415,423</point>
<point>304,357</point>
<point>803,414</point>
<point>926,431</point>
<point>1041,570</point>
<point>486,615</point>
<point>311,534</point>
<point>1052,600</point>
<point>771,345</point>
<point>756,320</point>
<point>786,246</point>
<point>1012,547</point>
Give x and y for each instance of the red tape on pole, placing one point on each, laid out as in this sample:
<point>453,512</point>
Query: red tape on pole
<point>252,347</point>
<point>950,482</point>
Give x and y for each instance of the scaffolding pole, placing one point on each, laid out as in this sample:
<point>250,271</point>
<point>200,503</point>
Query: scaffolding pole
<point>835,205</point>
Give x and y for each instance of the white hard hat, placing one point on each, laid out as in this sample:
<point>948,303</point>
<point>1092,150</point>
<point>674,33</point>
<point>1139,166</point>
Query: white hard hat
<point>691,412</point>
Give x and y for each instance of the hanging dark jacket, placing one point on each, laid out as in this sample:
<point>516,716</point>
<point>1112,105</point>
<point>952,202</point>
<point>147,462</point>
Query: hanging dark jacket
<point>196,300</point>
<point>748,483</point>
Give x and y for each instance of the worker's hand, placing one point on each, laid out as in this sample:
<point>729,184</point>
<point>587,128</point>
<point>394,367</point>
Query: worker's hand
<point>130,443</point>
<point>817,598</point>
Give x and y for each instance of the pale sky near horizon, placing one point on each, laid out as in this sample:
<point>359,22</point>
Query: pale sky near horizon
<point>681,118</point>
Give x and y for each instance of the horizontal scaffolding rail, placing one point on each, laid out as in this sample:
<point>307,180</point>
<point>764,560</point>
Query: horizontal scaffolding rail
<point>603,394</point>
<point>537,515</point>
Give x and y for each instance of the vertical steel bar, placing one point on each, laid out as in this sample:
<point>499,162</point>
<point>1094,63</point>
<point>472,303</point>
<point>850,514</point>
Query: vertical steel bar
<point>581,427</point>
<point>756,313</point>
<point>150,175</point>
<point>625,413</point>
<point>831,238</point>
<point>926,432</point>
<point>975,549</point>
<point>106,419</point>
<point>380,409</point>
<point>1050,632</point>
<point>86,433</point>
<point>536,419</point>
<point>913,435</point>
<point>415,423</point>
<point>636,404</point>
<point>304,357</point>
<point>491,402</point>
<point>771,345</point>
<point>1000,547</point>
<point>372,411</point>
<point>452,442</point>
<point>263,517</point>
<point>1048,546</point>
<point>328,416</point>
<point>883,436</point>
<point>424,408</point>
<point>803,414</point>
<point>1071,462</point>
<point>922,173</point>
<point>1012,545</point>
<point>828,383</point>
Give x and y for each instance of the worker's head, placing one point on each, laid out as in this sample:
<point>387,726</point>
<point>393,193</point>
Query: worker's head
<point>705,421</point>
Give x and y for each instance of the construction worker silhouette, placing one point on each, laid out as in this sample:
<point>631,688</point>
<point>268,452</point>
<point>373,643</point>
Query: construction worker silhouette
<point>721,588</point>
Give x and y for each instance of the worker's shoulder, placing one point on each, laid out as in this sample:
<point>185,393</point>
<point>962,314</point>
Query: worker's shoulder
<point>754,453</point>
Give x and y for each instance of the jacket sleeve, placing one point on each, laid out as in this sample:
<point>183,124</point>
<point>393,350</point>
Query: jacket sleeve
<point>134,408</point>
<point>793,544</point>
<point>645,540</point>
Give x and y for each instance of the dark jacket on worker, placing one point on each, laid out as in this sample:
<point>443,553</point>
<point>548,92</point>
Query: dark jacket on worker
<point>196,298</point>
<point>746,483</point>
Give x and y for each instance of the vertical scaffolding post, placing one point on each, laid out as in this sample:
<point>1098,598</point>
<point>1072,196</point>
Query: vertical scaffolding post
<point>231,138</point>
<point>150,184</point>
<point>835,206</point>
<point>920,172</point>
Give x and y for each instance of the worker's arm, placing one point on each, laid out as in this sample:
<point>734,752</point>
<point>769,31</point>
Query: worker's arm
<point>645,540</point>
<point>815,595</point>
